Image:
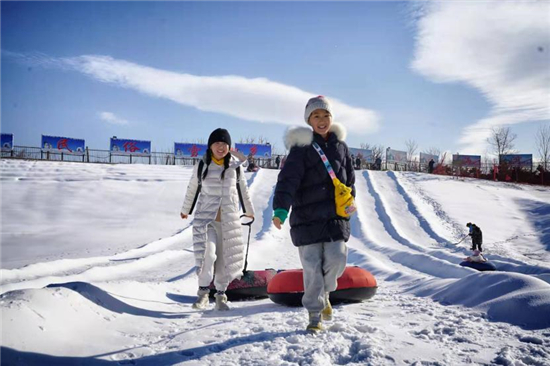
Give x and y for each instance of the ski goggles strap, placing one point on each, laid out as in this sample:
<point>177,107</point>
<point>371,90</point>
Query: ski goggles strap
<point>325,161</point>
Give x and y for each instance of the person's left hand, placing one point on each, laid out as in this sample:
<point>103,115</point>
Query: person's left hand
<point>239,155</point>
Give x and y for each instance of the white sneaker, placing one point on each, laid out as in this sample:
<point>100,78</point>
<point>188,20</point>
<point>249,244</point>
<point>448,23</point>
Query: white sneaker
<point>202,300</point>
<point>221,302</point>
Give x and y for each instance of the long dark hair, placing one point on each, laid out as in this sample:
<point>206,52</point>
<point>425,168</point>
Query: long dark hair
<point>226,160</point>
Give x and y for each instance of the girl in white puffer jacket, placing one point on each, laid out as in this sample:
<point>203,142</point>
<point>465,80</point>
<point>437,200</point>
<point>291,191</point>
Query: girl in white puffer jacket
<point>217,235</point>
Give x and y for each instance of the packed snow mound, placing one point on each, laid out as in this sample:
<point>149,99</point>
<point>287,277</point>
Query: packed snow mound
<point>76,210</point>
<point>505,297</point>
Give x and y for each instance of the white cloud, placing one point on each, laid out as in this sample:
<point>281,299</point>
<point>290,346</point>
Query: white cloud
<point>257,100</point>
<point>500,48</point>
<point>111,118</point>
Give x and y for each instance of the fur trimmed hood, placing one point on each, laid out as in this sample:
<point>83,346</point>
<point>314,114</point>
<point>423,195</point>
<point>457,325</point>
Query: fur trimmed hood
<point>303,136</point>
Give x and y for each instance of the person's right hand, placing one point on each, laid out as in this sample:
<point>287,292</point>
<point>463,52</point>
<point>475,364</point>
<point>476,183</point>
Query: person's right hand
<point>277,222</point>
<point>184,216</point>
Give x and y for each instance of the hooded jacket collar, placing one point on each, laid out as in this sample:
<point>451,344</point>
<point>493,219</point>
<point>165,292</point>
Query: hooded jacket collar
<point>303,136</point>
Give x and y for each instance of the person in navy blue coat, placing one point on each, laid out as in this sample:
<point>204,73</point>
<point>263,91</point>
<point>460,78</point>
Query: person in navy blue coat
<point>477,236</point>
<point>305,185</point>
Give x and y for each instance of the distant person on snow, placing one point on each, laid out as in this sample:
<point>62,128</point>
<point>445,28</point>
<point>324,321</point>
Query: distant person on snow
<point>305,185</point>
<point>477,236</point>
<point>431,166</point>
<point>217,236</point>
<point>358,163</point>
<point>277,161</point>
<point>251,164</point>
<point>378,164</point>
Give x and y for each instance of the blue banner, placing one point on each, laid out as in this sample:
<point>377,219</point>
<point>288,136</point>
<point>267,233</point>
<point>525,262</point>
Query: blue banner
<point>396,156</point>
<point>467,161</point>
<point>7,141</point>
<point>133,147</point>
<point>255,150</point>
<point>63,144</point>
<point>515,160</point>
<point>363,154</point>
<point>182,150</point>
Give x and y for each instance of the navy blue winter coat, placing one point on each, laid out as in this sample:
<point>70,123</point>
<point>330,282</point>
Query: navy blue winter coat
<point>304,185</point>
<point>476,234</point>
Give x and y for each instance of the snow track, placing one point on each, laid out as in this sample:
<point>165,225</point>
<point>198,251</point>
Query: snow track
<point>376,220</point>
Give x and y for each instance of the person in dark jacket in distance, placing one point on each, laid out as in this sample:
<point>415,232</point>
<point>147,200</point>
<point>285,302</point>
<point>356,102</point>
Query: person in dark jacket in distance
<point>378,163</point>
<point>305,185</point>
<point>431,166</point>
<point>477,236</point>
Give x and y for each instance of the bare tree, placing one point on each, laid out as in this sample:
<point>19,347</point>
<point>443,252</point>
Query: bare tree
<point>434,151</point>
<point>260,140</point>
<point>543,145</point>
<point>275,150</point>
<point>247,140</point>
<point>501,140</point>
<point>201,141</point>
<point>377,151</point>
<point>412,146</point>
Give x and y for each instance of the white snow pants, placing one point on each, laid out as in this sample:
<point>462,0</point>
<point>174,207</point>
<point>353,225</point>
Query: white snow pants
<point>214,264</point>
<point>323,264</point>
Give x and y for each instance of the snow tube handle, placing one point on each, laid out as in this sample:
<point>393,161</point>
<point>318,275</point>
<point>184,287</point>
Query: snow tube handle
<point>247,223</point>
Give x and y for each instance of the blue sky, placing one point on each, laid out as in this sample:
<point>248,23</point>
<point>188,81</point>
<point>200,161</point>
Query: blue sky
<point>439,74</point>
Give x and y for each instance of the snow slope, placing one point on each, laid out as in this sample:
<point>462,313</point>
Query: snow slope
<point>97,268</point>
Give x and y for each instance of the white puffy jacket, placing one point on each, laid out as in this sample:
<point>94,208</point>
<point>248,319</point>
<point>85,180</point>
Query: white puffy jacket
<point>219,194</point>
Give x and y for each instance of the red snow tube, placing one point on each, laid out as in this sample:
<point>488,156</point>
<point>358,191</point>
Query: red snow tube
<point>252,285</point>
<point>355,285</point>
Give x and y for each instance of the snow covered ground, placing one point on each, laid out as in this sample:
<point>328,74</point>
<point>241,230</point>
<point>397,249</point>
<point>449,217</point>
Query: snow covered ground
<point>97,268</point>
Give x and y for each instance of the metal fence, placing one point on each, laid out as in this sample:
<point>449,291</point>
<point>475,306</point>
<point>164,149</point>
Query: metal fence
<point>532,175</point>
<point>535,174</point>
<point>109,157</point>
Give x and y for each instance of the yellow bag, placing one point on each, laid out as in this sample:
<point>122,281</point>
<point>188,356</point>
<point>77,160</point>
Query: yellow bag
<point>345,203</point>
